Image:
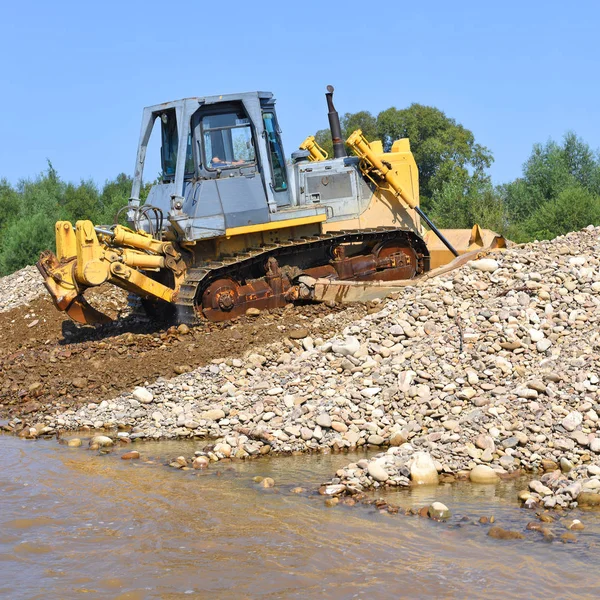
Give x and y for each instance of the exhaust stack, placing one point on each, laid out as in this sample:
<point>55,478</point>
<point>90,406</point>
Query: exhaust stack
<point>339,149</point>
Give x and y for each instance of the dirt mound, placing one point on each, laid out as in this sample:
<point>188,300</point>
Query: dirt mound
<point>47,362</point>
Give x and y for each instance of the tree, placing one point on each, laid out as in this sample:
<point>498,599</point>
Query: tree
<point>9,204</point>
<point>461,203</point>
<point>23,241</point>
<point>443,149</point>
<point>549,170</point>
<point>573,209</point>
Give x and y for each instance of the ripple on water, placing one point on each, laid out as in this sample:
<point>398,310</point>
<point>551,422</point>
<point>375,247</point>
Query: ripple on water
<point>112,528</point>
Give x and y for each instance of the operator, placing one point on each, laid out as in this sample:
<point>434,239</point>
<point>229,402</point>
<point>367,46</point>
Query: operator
<point>217,162</point>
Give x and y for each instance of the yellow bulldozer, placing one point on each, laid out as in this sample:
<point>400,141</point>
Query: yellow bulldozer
<point>232,225</point>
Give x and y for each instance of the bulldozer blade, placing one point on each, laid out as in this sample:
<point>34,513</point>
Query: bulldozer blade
<point>82,312</point>
<point>345,292</point>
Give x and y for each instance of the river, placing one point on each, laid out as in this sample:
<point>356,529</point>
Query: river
<point>75,524</point>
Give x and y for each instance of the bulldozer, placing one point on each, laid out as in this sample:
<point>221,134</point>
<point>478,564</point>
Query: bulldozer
<point>232,225</point>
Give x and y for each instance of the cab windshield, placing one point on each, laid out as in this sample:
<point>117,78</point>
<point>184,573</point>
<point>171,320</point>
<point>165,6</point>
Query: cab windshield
<point>227,141</point>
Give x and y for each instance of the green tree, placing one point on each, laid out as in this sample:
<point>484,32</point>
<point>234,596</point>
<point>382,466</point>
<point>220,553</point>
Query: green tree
<point>462,202</point>
<point>23,241</point>
<point>574,208</point>
<point>9,204</point>
<point>115,195</point>
<point>549,170</point>
<point>443,149</point>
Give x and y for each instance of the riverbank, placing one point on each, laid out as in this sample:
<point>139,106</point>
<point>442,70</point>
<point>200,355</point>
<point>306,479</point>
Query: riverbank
<point>492,366</point>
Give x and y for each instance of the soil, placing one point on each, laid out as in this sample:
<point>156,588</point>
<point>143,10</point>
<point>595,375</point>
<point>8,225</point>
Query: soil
<point>46,361</point>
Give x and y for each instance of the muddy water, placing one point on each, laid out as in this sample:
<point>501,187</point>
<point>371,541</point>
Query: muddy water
<point>74,524</point>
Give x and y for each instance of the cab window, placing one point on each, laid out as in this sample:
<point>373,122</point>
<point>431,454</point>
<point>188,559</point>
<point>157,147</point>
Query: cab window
<point>227,141</point>
<point>170,142</point>
<point>275,153</point>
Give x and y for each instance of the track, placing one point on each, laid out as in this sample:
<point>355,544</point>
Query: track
<point>264,277</point>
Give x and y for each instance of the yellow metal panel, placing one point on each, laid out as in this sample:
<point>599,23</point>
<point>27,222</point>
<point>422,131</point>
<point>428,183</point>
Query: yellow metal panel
<point>275,225</point>
<point>401,145</point>
<point>66,246</point>
<point>376,146</point>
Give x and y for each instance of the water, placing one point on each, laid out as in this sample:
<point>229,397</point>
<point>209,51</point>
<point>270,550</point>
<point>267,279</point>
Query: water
<point>74,524</point>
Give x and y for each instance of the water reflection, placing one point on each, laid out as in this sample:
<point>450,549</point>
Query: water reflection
<point>76,524</point>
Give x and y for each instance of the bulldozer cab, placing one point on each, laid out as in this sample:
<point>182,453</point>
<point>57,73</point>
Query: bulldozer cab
<point>222,163</point>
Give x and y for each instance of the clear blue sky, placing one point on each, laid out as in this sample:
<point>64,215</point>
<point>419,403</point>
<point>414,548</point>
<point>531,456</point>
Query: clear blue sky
<point>76,75</point>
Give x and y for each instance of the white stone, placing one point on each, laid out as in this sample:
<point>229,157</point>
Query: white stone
<point>348,347</point>
<point>487,265</point>
<point>143,395</point>
<point>422,469</point>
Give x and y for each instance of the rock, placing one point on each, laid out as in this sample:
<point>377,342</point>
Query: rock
<point>487,265</point>
<point>397,439</point>
<point>324,420</point>
<point>377,472</point>
<point>267,482</point>
<point>540,488</point>
<point>573,420</point>
<point>565,465</point>
<point>348,347</point>
<point>575,525</point>
<point>298,334</point>
<point>439,511</point>
<point>143,395</point>
<point>201,462</point>
<point>332,490</point>
<point>214,414</point>
<point>306,433</point>
<point>483,474</point>
<point>503,534</point>
<point>375,440</point>
<point>79,382</point>
<point>252,312</point>
<point>100,441</point>
<point>549,465</point>
<point>183,329</point>
<point>543,345</point>
<point>338,426</point>
<point>74,443</point>
<point>130,455</point>
<point>588,499</point>
<point>484,442</point>
<point>180,369</point>
<point>422,469</point>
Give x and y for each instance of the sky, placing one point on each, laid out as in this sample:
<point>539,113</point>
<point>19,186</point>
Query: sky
<point>75,76</point>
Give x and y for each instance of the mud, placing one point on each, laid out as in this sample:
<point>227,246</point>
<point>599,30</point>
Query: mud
<point>48,362</point>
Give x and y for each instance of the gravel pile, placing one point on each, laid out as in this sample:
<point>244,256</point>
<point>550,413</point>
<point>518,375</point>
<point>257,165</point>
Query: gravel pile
<point>20,288</point>
<point>489,369</point>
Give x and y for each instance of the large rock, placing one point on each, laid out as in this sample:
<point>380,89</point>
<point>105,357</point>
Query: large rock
<point>143,395</point>
<point>377,472</point>
<point>347,347</point>
<point>483,474</point>
<point>422,469</point>
<point>100,441</point>
<point>488,265</point>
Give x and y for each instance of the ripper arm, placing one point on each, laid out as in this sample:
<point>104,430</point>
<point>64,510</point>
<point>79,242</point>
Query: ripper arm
<point>90,256</point>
